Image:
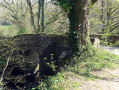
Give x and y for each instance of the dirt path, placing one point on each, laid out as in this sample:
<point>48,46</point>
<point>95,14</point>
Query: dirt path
<point>106,79</point>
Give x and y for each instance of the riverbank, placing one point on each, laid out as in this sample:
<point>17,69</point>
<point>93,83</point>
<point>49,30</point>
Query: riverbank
<point>98,72</point>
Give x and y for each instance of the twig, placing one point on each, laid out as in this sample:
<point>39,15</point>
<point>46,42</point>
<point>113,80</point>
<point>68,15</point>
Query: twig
<point>5,68</point>
<point>8,59</point>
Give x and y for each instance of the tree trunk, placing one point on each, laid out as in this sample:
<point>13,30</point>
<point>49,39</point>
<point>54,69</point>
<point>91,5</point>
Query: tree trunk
<point>78,18</point>
<point>102,16</point>
<point>39,10</point>
<point>42,21</point>
<point>32,17</point>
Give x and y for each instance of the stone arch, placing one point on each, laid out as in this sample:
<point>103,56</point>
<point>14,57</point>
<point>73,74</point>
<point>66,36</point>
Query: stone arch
<point>32,55</point>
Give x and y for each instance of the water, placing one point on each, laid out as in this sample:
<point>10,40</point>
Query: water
<point>114,50</point>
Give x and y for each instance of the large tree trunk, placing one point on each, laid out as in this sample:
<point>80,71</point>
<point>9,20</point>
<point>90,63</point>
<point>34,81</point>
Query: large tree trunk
<point>78,18</point>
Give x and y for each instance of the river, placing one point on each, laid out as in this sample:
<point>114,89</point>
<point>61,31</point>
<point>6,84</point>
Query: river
<point>114,50</point>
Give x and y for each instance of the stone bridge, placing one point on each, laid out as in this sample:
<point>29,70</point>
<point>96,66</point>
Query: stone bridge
<point>36,42</point>
<point>42,49</point>
<point>34,45</point>
<point>39,49</point>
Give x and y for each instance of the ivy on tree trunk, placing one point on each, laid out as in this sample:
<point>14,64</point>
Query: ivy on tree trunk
<point>78,17</point>
<point>42,21</point>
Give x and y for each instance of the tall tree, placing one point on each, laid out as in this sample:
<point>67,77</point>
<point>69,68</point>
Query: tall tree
<point>112,15</point>
<point>78,17</point>
<point>39,10</point>
<point>102,15</point>
<point>109,16</point>
<point>42,21</point>
<point>31,13</point>
<point>14,11</point>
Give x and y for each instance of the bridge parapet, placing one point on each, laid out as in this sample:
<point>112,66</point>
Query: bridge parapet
<point>110,38</point>
<point>36,41</point>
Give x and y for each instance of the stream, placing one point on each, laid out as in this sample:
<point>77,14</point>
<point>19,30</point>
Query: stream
<point>114,50</point>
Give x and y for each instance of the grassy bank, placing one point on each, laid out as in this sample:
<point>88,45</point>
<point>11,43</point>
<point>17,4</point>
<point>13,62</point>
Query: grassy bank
<point>8,31</point>
<point>72,77</point>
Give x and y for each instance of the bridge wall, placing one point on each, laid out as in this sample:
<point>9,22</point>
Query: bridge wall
<point>39,49</point>
<point>110,38</point>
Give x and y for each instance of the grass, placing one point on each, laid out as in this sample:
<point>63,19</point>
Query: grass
<point>70,78</point>
<point>8,31</point>
<point>97,62</point>
<point>62,81</point>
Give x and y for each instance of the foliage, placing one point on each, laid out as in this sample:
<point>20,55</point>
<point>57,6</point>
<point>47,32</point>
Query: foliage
<point>22,30</point>
<point>64,4</point>
<point>19,14</point>
<point>83,67</point>
<point>52,63</point>
<point>96,62</point>
<point>51,83</point>
<point>56,21</point>
<point>104,17</point>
